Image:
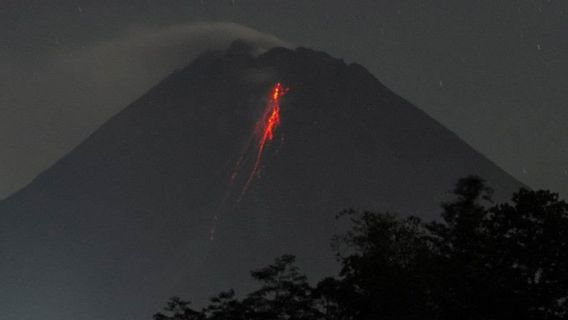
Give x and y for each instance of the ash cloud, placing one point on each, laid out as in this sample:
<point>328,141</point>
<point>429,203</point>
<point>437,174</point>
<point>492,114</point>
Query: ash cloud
<point>52,103</point>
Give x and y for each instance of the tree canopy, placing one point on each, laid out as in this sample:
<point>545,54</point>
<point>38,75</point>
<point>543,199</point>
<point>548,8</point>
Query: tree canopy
<point>480,261</point>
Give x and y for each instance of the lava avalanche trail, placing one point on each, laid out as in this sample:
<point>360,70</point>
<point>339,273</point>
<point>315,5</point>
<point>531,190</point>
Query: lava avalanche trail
<point>263,133</point>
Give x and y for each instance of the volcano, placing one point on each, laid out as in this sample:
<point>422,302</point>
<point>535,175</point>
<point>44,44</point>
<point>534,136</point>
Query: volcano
<point>149,206</point>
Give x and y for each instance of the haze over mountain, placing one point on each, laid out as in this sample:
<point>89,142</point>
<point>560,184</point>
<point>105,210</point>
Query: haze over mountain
<point>145,208</point>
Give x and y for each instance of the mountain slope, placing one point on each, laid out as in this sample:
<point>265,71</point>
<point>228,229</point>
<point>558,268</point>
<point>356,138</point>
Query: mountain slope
<point>145,207</point>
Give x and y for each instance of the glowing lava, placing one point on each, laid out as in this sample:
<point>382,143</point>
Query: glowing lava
<point>263,133</point>
<point>269,121</point>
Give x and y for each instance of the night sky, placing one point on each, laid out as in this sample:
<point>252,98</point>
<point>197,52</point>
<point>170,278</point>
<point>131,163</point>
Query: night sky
<point>494,72</point>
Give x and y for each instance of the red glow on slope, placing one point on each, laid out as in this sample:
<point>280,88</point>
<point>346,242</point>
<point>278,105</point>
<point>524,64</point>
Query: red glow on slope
<point>264,131</point>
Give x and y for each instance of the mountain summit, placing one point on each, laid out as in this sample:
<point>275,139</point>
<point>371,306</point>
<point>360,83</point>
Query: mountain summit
<point>184,191</point>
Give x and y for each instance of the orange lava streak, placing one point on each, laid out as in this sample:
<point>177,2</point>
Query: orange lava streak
<point>265,128</point>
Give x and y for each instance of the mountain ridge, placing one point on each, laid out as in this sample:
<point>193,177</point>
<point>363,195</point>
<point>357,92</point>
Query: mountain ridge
<point>128,214</point>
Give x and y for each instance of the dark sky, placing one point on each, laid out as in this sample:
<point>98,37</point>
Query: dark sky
<point>494,72</point>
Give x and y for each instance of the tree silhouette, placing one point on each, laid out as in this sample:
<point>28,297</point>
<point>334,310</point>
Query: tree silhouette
<point>508,261</point>
<point>285,293</point>
<point>178,309</point>
<point>384,269</point>
<point>226,307</point>
<point>481,261</point>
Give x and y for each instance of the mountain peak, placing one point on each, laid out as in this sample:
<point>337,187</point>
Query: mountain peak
<point>241,47</point>
<point>148,207</point>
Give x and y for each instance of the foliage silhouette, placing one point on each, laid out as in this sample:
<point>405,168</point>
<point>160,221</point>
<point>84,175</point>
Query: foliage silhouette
<point>480,261</point>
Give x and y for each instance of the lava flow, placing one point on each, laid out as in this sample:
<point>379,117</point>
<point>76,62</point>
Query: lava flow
<point>263,133</point>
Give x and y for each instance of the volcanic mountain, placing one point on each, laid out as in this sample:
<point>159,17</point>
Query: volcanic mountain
<point>185,190</point>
